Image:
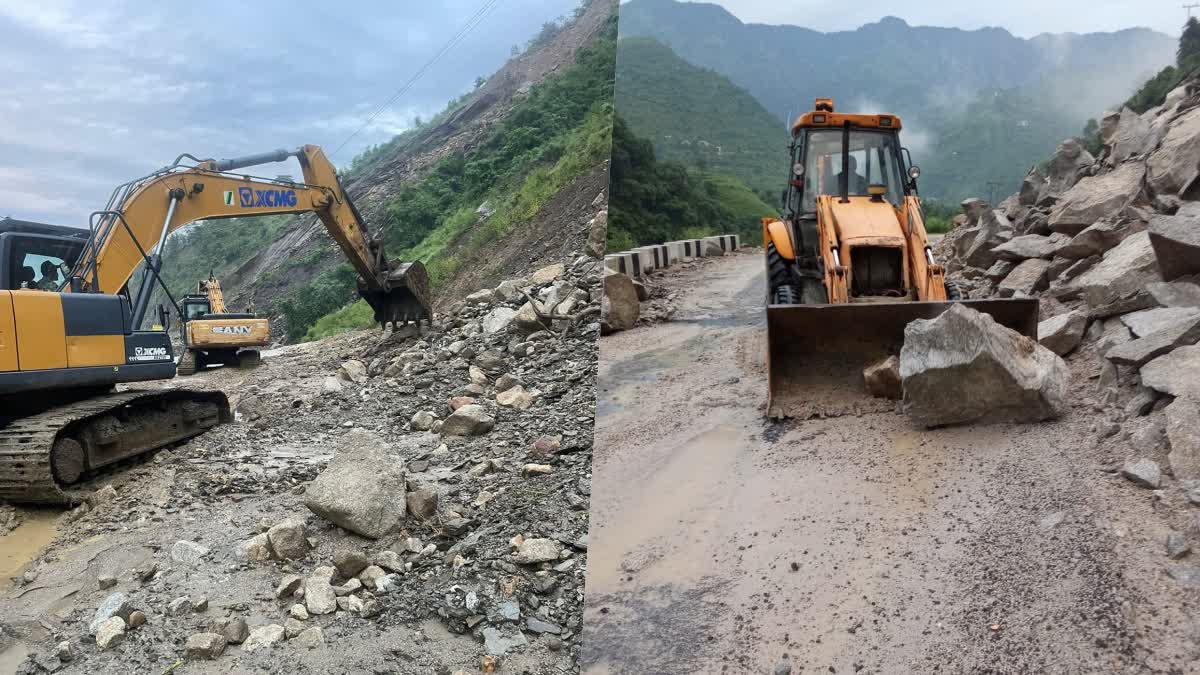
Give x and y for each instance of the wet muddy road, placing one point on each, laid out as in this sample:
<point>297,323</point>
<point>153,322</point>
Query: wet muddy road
<point>723,543</point>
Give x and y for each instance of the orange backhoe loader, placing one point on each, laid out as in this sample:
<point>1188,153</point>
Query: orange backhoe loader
<point>849,264</point>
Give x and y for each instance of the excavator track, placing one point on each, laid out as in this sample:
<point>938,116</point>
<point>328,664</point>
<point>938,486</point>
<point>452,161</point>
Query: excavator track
<point>75,440</point>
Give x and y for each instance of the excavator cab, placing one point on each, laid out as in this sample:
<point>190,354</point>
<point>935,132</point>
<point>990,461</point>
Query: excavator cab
<point>850,264</point>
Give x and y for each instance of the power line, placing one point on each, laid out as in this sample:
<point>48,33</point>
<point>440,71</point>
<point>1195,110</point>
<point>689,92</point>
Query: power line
<point>476,18</point>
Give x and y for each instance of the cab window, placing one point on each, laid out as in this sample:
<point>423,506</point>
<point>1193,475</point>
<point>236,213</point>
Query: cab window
<point>196,310</point>
<point>872,161</point>
<point>38,263</point>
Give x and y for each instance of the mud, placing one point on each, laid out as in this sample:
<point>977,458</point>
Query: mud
<point>856,543</point>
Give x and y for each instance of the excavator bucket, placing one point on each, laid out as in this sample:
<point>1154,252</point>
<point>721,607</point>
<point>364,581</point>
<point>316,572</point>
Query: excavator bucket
<point>816,353</point>
<point>406,298</point>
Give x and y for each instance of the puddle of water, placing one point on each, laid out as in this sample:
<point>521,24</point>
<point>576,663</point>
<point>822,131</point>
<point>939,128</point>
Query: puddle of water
<point>18,548</point>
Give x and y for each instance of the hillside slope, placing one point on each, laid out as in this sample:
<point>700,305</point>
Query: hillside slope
<point>965,96</point>
<point>557,144</point>
<point>698,116</point>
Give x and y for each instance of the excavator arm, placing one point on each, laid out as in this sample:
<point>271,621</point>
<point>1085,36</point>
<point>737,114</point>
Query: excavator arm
<point>141,215</point>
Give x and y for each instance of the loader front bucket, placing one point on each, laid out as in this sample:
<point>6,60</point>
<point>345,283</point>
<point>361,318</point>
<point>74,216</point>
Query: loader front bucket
<point>816,353</point>
<point>406,298</point>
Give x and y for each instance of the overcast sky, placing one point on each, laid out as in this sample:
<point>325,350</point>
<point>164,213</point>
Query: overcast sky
<point>1024,18</point>
<point>97,93</point>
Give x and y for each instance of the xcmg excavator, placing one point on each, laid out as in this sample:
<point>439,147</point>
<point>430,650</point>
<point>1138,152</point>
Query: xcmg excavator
<point>850,265</point>
<point>212,335</point>
<point>68,336</point>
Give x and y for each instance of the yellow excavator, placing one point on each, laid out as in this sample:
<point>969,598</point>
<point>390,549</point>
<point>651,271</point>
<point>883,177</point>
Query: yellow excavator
<point>72,319</point>
<point>849,264</point>
<point>212,335</point>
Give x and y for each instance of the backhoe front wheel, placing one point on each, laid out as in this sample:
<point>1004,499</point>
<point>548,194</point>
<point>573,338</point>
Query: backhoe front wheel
<point>783,291</point>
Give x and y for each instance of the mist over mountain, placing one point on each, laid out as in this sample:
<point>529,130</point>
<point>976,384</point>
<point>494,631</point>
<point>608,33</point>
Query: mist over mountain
<point>978,105</point>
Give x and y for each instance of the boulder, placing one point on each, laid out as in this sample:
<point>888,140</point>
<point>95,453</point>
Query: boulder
<point>533,551</point>
<point>288,540</point>
<point>992,230</point>
<point>1183,431</point>
<point>1031,187</point>
<point>1132,137</point>
<point>233,629</point>
<point>527,320</point>
<point>620,303</point>
<point>319,597</point>
<point>1179,293</point>
<point>349,562</point>
<point>1117,284</point>
<point>263,636</point>
<point>469,420</point>
<point>362,489</point>
<point>498,319</point>
<point>354,371</point>
<point>254,549</point>
<point>597,234</point>
<point>1026,246</point>
<point>510,289</point>
<point>1062,334</point>
<point>963,366</point>
<point>1149,321</point>
<point>1173,165</point>
<point>999,270</point>
<point>546,274</point>
<point>1069,160</point>
<point>1143,473</point>
<point>110,633</point>
<point>1176,242</point>
<point>204,646</point>
<point>311,638</point>
<point>515,397</point>
<point>1176,373</point>
<point>188,553</point>
<point>422,504</point>
<point>483,296</point>
<point>422,420</point>
<point>883,378</point>
<point>1026,279</point>
<point>115,605</point>
<point>710,248</point>
<point>1097,197</point>
<point>1097,239</point>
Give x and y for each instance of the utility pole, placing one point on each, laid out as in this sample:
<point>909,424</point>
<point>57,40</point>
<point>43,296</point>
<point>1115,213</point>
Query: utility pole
<point>992,185</point>
<point>1189,7</point>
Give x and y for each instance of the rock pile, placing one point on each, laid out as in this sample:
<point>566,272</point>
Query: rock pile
<point>1111,246</point>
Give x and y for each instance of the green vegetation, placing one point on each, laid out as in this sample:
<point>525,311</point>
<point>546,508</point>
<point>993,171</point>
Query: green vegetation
<point>699,117</point>
<point>939,216</point>
<point>558,132</point>
<point>216,246</point>
<point>654,201</point>
<point>1187,62</point>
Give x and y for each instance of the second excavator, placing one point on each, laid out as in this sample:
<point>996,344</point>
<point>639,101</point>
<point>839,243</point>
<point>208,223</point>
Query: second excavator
<point>68,337</point>
<point>850,264</point>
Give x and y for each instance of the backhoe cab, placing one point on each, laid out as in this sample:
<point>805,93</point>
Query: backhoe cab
<point>850,265</point>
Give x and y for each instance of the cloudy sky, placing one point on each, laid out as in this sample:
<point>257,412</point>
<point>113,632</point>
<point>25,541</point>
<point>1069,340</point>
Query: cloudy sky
<point>1024,18</point>
<point>97,93</point>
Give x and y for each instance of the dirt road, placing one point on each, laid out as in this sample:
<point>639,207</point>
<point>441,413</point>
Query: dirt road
<point>722,543</point>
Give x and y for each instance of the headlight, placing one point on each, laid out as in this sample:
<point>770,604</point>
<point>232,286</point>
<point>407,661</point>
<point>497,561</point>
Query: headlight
<point>798,169</point>
<point>914,172</point>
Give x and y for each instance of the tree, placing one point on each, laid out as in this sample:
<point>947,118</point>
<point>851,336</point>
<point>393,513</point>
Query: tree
<point>1188,56</point>
<point>480,81</point>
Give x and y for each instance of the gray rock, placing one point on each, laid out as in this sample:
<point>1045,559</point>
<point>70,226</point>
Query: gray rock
<point>187,553</point>
<point>254,549</point>
<point>1142,350</point>
<point>963,366</point>
<point>65,651</point>
<point>1133,137</point>
<point>263,636</point>
<point>233,629</point>
<point>106,581</point>
<point>1062,334</point>
<point>1143,473</point>
<point>1117,284</point>
<point>547,274</point>
<point>179,606</point>
<point>319,597</point>
<point>1097,197</point>
<point>498,319</point>
<point>1149,321</point>
<point>288,586</point>
<point>390,560</point>
<point>1069,160</point>
<point>1183,431</point>
<point>533,551</point>
<point>1177,293</point>
<point>497,643</point>
<point>1141,403</point>
<point>300,612</point>
<point>515,397</point>
<point>1176,373</point>
<point>1176,242</point>
<point>353,371</point>
<point>288,540</point>
<point>882,378</point>
<point>1031,187</point>
<point>350,563</point>
<point>1098,238</point>
<point>469,420</point>
<point>1177,545</point>
<point>1026,279</point>
<point>1026,246</point>
<point>204,646</point>
<point>536,625</point>
<point>362,489</point>
<point>597,234</point>
<point>620,305</point>
<point>1173,165</point>
<point>480,297</point>
<point>114,605</point>
<point>292,627</point>
<point>992,229</point>
<point>422,504</point>
<point>311,638</point>
<point>999,270</point>
<point>110,633</point>
<point>422,420</point>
